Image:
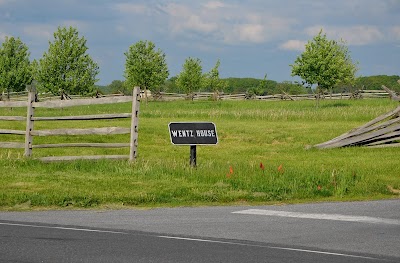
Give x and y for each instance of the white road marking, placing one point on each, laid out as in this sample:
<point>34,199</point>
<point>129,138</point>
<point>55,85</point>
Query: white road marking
<point>63,228</point>
<point>270,247</point>
<point>335,217</point>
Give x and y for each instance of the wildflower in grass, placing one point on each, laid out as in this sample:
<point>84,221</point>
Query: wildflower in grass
<point>262,167</point>
<point>280,169</point>
<point>319,188</point>
<point>228,175</point>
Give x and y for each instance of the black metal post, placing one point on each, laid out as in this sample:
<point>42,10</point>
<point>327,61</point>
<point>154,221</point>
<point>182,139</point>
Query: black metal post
<point>193,155</point>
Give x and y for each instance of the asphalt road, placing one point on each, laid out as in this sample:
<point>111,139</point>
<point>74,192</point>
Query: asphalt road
<point>325,232</point>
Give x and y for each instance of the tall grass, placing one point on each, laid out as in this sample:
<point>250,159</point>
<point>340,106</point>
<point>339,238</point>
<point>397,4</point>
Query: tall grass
<point>261,157</point>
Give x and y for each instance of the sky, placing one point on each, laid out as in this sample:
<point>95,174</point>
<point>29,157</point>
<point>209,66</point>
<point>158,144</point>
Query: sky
<point>251,38</point>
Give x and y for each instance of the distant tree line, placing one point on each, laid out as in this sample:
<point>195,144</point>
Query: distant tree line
<point>67,68</point>
<point>370,83</point>
<point>252,85</point>
<point>376,82</point>
<point>233,85</point>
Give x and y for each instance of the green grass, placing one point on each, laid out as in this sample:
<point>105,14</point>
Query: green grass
<point>250,132</point>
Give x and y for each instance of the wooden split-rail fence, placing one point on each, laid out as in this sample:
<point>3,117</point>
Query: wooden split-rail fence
<point>165,96</point>
<point>30,119</point>
<point>383,131</point>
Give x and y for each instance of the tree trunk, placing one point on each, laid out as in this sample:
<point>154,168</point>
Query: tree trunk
<point>216,95</point>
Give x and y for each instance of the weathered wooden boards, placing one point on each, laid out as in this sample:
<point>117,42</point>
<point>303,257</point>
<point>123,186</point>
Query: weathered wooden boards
<point>30,132</point>
<point>134,123</point>
<point>13,104</point>
<point>81,102</point>
<point>12,118</point>
<point>46,100</point>
<point>391,93</point>
<point>91,131</point>
<point>383,131</point>
<point>17,132</point>
<point>284,96</point>
<point>83,117</point>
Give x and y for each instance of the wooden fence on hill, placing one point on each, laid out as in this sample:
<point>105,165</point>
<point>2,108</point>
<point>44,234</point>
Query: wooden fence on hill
<point>30,132</point>
<point>165,96</point>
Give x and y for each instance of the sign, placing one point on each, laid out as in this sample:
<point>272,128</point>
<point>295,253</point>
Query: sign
<point>193,133</point>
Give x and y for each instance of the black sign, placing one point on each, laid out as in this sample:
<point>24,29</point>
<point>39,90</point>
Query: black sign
<point>193,133</point>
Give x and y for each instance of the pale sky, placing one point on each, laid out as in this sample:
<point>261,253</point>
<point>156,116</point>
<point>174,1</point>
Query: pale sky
<point>250,37</point>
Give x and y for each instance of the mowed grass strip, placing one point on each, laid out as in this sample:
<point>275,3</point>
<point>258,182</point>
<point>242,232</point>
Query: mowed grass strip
<point>261,157</point>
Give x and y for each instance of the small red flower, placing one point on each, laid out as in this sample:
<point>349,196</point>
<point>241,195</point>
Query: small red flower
<point>280,169</point>
<point>228,175</point>
<point>262,167</point>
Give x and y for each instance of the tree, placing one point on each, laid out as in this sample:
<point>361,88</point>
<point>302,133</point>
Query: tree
<point>259,90</point>
<point>324,63</point>
<point>15,67</point>
<point>213,82</point>
<point>145,66</point>
<point>240,85</point>
<point>376,82</point>
<point>291,88</point>
<point>191,76</point>
<point>117,86</point>
<point>170,85</point>
<point>66,67</point>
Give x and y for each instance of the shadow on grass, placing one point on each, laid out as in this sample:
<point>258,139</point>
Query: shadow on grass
<point>336,105</point>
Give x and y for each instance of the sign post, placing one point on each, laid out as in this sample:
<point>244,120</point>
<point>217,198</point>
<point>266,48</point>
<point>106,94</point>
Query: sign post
<point>193,134</point>
<point>193,157</point>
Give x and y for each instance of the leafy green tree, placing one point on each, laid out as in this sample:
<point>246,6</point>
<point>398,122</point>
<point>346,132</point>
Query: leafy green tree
<point>117,86</point>
<point>66,67</point>
<point>240,85</point>
<point>15,67</point>
<point>213,82</point>
<point>191,77</point>
<point>376,82</point>
<point>145,67</point>
<point>324,63</point>
<point>259,90</point>
<point>291,88</point>
<point>262,87</point>
<point>100,89</point>
<point>170,85</point>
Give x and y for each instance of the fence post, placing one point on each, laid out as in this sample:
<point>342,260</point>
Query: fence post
<point>134,123</point>
<point>29,123</point>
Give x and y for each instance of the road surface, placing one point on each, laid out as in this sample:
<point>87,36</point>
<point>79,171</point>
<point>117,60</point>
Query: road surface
<point>324,232</point>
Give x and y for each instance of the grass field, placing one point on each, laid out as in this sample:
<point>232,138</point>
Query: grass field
<point>261,157</point>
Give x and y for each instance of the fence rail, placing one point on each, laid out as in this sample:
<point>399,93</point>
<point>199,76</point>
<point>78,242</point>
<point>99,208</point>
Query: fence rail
<point>30,132</point>
<point>166,96</point>
<point>19,99</point>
